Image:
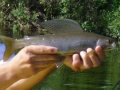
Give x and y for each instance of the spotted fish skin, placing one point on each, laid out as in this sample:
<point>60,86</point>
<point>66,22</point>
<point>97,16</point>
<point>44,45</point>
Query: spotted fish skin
<point>67,43</point>
<point>57,26</point>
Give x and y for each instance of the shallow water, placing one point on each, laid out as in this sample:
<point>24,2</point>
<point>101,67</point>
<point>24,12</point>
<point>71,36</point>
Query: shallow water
<point>101,78</point>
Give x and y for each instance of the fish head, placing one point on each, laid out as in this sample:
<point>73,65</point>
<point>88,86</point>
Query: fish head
<point>106,43</point>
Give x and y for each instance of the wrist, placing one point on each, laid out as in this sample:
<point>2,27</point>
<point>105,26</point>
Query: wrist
<point>7,77</point>
<point>13,73</point>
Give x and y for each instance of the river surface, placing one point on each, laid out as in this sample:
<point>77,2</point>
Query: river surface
<point>103,77</point>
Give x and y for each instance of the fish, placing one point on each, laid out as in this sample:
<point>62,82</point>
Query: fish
<point>67,43</point>
<point>58,26</point>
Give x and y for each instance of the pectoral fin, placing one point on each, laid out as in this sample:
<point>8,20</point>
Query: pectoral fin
<point>60,61</point>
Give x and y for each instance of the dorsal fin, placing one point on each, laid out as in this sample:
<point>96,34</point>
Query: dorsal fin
<point>61,26</point>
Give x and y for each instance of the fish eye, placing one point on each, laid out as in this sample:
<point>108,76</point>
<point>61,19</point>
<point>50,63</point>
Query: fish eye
<point>109,41</point>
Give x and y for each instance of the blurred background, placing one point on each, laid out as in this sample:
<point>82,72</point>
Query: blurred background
<point>20,17</point>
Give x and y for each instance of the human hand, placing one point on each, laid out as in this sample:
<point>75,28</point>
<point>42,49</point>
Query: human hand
<point>85,60</point>
<point>33,59</point>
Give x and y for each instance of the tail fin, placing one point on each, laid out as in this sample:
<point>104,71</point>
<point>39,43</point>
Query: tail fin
<point>9,47</point>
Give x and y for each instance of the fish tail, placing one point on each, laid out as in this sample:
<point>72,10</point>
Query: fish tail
<point>9,47</point>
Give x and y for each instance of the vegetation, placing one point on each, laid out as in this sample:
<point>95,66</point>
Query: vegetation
<point>20,17</point>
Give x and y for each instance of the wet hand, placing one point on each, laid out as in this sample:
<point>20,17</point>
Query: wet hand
<point>33,59</point>
<point>85,60</point>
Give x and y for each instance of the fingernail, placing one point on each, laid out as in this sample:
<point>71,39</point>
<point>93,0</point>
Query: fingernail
<point>89,50</point>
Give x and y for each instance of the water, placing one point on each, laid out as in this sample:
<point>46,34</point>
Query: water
<point>101,78</point>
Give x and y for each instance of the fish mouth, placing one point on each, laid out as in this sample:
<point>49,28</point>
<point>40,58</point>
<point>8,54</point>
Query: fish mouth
<point>113,45</point>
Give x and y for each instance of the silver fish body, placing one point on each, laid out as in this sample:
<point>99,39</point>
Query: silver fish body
<point>67,43</point>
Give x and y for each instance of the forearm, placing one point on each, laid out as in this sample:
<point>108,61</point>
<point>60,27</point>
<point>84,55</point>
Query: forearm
<point>28,83</point>
<point>7,76</point>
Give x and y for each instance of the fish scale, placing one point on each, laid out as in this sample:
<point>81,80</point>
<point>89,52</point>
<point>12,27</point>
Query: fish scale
<point>66,43</point>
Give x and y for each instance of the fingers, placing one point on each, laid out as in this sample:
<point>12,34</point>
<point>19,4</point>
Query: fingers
<point>93,57</point>
<point>36,70</point>
<point>100,53</point>
<point>46,57</point>
<point>87,63</point>
<point>41,49</point>
<point>39,66</point>
<point>43,64</point>
<point>46,60</point>
<point>76,62</point>
<point>86,60</point>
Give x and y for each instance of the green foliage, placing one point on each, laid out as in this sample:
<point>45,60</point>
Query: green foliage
<point>18,15</point>
<point>99,16</point>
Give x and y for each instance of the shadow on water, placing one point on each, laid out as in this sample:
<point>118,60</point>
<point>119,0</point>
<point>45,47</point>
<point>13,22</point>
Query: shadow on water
<point>102,78</point>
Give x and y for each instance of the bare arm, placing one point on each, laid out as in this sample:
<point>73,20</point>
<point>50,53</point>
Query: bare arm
<point>28,83</point>
<point>73,62</point>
